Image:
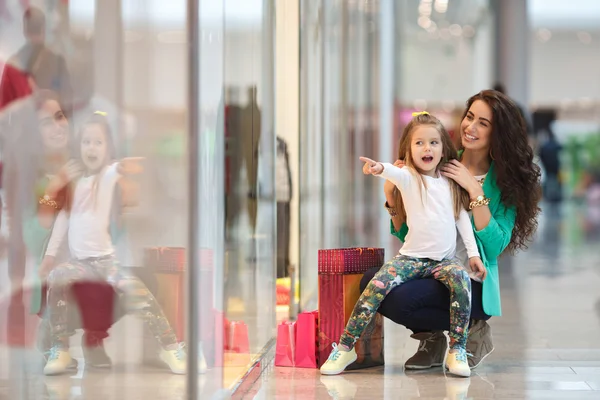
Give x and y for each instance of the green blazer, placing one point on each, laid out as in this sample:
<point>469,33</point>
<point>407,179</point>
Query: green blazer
<point>491,242</point>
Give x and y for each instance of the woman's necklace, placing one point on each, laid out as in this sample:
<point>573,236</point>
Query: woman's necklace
<point>481,181</point>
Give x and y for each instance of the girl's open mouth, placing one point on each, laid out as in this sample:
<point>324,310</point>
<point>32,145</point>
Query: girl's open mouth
<point>427,159</point>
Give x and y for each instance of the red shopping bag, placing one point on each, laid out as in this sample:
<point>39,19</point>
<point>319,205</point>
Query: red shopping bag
<point>285,349</point>
<point>306,340</point>
<point>340,272</point>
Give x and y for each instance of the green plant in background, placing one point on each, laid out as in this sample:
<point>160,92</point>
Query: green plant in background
<point>574,169</point>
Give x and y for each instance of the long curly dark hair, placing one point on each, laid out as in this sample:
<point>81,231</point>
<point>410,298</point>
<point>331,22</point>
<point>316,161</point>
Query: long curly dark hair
<point>517,176</point>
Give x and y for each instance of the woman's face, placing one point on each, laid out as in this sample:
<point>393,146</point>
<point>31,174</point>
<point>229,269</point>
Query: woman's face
<point>54,126</point>
<point>476,127</point>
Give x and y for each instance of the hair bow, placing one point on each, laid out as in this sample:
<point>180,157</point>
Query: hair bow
<point>103,113</point>
<point>416,114</point>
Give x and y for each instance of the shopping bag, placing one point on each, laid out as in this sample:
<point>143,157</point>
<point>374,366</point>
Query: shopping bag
<point>285,348</point>
<point>306,336</point>
<point>340,272</point>
<point>239,342</point>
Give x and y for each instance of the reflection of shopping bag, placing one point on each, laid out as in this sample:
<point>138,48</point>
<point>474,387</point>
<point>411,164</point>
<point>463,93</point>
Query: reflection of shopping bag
<point>306,340</point>
<point>239,341</point>
<point>340,272</point>
<point>286,344</point>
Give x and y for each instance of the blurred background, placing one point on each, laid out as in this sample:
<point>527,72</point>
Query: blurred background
<point>250,116</point>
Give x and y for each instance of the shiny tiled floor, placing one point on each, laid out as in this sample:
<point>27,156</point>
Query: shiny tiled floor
<point>547,342</point>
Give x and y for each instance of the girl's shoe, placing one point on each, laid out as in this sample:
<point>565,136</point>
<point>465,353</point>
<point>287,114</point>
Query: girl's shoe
<point>59,360</point>
<point>456,362</point>
<point>338,361</point>
<point>176,359</point>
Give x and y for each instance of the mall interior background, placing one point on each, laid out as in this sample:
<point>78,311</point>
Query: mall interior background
<point>288,92</point>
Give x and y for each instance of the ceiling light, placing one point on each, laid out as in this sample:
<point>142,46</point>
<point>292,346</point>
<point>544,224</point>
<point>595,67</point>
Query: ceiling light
<point>544,34</point>
<point>424,22</point>
<point>455,30</point>
<point>441,6</point>
<point>425,9</point>
<point>468,31</point>
<point>584,37</point>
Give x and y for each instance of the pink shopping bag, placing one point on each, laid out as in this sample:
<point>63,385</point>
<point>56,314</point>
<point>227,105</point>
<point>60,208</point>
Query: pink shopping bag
<point>285,349</point>
<point>306,339</point>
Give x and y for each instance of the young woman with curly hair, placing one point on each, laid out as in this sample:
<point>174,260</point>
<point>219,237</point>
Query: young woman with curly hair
<point>496,169</point>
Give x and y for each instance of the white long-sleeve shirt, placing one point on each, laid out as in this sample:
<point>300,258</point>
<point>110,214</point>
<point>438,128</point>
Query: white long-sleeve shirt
<point>88,222</point>
<point>430,216</point>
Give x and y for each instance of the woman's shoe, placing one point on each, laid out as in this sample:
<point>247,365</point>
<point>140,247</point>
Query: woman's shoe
<point>456,362</point>
<point>431,352</point>
<point>479,343</point>
<point>338,361</point>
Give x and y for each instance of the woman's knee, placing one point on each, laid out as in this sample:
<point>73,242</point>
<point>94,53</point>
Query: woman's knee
<point>367,278</point>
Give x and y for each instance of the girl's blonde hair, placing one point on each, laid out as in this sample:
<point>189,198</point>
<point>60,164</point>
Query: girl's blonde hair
<point>460,197</point>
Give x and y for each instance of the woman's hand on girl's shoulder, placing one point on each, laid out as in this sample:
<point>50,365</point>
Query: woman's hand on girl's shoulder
<point>461,175</point>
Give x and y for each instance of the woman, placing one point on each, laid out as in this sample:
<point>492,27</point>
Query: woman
<point>496,169</point>
<point>39,163</point>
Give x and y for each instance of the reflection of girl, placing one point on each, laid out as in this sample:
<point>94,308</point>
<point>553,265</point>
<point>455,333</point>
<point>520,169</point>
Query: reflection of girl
<point>434,209</point>
<point>496,164</point>
<point>92,253</point>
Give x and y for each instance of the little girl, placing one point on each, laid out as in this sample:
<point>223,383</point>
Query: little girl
<point>434,208</point>
<point>92,253</point>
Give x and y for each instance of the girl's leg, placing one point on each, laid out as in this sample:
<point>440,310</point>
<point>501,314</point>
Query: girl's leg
<point>392,274</point>
<point>456,279</point>
<point>138,300</point>
<point>58,306</point>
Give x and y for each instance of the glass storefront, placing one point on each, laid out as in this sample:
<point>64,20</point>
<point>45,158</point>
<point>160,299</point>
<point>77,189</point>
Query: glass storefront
<point>188,87</point>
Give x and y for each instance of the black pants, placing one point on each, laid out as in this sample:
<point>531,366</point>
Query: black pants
<point>423,305</point>
<point>283,238</point>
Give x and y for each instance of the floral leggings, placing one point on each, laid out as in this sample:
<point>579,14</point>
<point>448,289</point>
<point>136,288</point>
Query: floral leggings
<point>138,299</point>
<point>402,269</point>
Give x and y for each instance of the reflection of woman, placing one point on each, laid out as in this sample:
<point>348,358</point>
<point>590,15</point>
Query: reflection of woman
<point>497,170</point>
<point>40,165</point>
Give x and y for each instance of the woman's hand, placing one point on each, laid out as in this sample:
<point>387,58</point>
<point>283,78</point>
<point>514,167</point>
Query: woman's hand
<point>68,173</point>
<point>47,266</point>
<point>461,175</point>
<point>371,167</point>
<point>478,268</point>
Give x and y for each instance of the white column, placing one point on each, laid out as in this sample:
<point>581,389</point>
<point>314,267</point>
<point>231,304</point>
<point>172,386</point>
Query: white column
<point>512,48</point>
<point>386,98</point>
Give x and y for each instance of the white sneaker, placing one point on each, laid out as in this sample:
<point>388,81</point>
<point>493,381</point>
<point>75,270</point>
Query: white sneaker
<point>202,367</point>
<point>338,361</point>
<point>457,388</point>
<point>339,388</point>
<point>176,359</point>
<point>59,360</point>
<point>456,362</point>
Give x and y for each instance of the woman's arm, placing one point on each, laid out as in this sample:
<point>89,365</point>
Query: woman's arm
<point>497,233</point>
<point>392,196</point>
